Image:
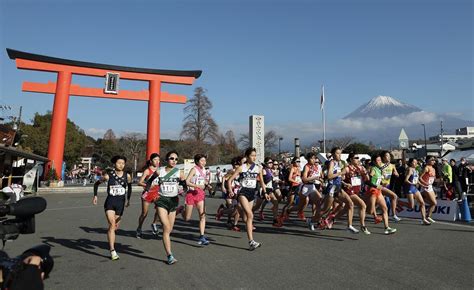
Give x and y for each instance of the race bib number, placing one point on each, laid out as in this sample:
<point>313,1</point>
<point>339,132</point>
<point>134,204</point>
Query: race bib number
<point>200,181</point>
<point>169,187</point>
<point>415,180</point>
<point>356,181</point>
<point>116,190</point>
<point>431,180</point>
<point>249,183</point>
<point>379,180</point>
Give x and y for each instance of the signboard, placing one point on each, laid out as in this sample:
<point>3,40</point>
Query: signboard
<point>445,210</point>
<point>403,140</point>
<point>112,83</point>
<point>257,135</point>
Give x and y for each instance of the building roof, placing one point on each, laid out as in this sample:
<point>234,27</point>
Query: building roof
<point>20,153</point>
<point>14,54</point>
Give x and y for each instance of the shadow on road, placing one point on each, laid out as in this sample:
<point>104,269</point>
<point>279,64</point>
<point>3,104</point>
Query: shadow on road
<point>89,247</point>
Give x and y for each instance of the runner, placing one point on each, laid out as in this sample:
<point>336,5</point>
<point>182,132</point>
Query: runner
<point>169,178</point>
<point>411,190</point>
<point>118,183</point>
<point>149,194</point>
<point>353,179</point>
<point>268,181</point>
<point>334,192</point>
<point>427,179</point>
<point>248,174</point>
<point>375,193</point>
<point>231,208</point>
<point>294,179</point>
<point>310,193</point>
<point>388,169</point>
<point>196,181</point>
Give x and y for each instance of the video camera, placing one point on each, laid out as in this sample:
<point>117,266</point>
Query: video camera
<point>14,270</point>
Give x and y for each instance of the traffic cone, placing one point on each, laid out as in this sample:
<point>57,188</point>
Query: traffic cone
<point>464,208</point>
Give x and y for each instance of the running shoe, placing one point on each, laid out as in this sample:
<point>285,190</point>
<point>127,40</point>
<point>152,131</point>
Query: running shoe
<point>352,230</point>
<point>365,230</point>
<point>425,222</point>
<point>277,224</point>
<point>310,224</point>
<point>395,218</point>
<point>322,225</point>
<point>431,220</point>
<point>235,229</point>
<point>154,229</point>
<point>389,231</point>
<point>139,234</point>
<point>203,241</point>
<point>329,221</point>
<point>113,255</point>
<point>261,217</point>
<point>253,245</point>
<point>301,216</point>
<point>378,220</point>
<point>171,260</point>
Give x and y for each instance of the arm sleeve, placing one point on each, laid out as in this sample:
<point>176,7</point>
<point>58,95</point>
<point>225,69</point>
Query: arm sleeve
<point>150,180</point>
<point>129,191</point>
<point>96,187</point>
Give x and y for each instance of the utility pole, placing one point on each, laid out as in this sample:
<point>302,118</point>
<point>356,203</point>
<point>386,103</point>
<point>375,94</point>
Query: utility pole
<point>424,131</point>
<point>442,139</point>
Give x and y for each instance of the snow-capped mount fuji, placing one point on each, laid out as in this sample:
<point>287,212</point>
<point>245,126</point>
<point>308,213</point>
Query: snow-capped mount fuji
<point>382,107</point>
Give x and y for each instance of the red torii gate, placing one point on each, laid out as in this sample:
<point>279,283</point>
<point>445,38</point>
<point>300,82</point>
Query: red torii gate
<point>63,88</point>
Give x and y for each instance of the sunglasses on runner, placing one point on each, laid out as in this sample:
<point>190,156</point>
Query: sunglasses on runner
<point>297,161</point>
<point>172,158</point>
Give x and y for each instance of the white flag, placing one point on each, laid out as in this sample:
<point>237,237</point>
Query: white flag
<point>322,98</point>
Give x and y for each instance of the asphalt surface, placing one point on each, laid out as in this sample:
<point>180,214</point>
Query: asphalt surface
<point>440,256</point>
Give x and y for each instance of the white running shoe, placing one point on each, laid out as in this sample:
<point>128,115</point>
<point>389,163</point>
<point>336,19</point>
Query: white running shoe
<point>352,230</point>
<point>395,218</point>
<point>389,231</point>
<point>253,245</point>
<point>425,222</point>
<point>365,230</point>
<point>113,255</point>
<point>431,220</point>
<point>310,224</point>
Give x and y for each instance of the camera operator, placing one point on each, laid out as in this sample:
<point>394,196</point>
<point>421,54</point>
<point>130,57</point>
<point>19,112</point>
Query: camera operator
<point>26,271</point>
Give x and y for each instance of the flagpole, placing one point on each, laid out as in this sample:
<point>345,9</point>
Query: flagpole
<point>324,120</point>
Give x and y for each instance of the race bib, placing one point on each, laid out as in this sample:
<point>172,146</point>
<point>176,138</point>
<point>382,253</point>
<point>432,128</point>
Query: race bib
<point>415,180</point>
<point>156,181</point>
<point>356,181</point>
<point>298,179</point>
<point>269,185</point>
<point>249,183</point>
<point>431,180</point>
<point>169,187</point>
<point>200,181</point>
<point>379,180</point>
<point>116,190</point>
<point>387,176</point>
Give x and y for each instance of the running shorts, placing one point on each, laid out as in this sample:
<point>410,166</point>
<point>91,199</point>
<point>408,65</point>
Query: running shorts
<point>168,203</point>
<point>194,196</point>
<point>115,203</point>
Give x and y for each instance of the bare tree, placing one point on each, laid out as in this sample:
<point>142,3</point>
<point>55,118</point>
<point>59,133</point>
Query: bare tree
<point>110,135</point>
<point>341,142</point>
<point>270,140</point>
<point>198,123</point>
<point>134,146</point>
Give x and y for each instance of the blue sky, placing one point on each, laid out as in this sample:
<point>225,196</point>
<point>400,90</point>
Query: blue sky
<point>257,57</point>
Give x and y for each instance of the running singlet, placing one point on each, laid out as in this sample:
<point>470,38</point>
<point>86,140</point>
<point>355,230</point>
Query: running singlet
<point>116,186</point>
<point>155,183</point>
<point>199,178</point>
<point>169,185</point>
<point>248,176</point>
<point>336,169</point>
<point>314,171</point>
<point>268,178</point>
<point>414,177</point>
<point>429,178</point>
<point>376,179</point>
<point>387,170</point>
<point>354,178</point>
<point>296,177</point>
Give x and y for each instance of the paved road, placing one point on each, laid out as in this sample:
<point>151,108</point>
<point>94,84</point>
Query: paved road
<point>437,257</point>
